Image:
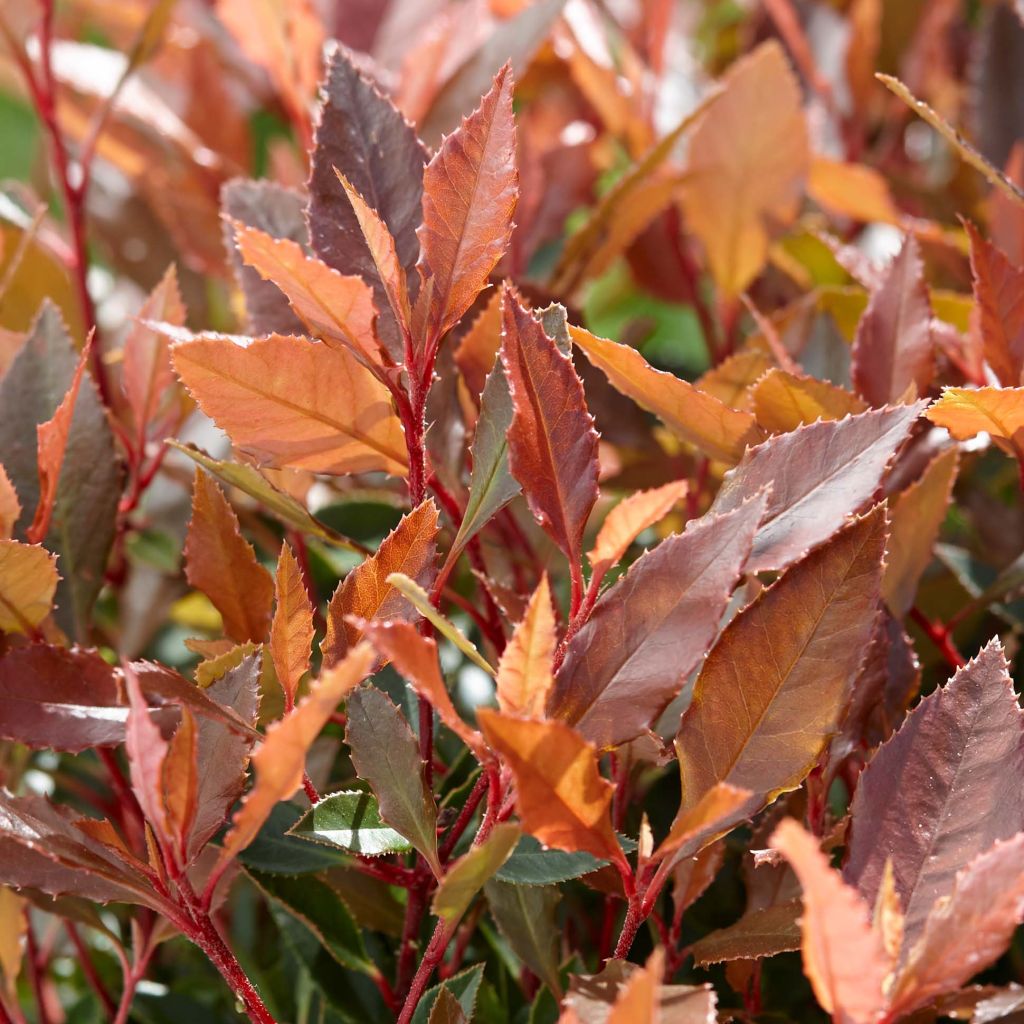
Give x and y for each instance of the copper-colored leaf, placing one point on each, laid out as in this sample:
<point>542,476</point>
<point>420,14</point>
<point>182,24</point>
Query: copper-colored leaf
<point>745,176</point>
<point>956,771</point>
<point>223,565</point>
<point>291,632</point>
<point>10,507</point>
<point>998,291</point>
<point>629,519</point>
<point>552,442</point>
<point>292,402</point>
<point>28,581</point>
<point>334,307</point>
<point>651,628</point>
<point>775,686</point>
<point>415,657</point>
<point>759,933</point>
<point>561,797</point>
<point>843,956</point>
<point>916,516</point>
<point>783,402</point>
<point>280,761</point>
<point>365,592</point>
<point>968,931</point>
<point>819,475</point>
<point>525,670</point>
<point>731,380</point>
<point>470,189</point>
<point>694,416</point>
<point>893,351</point>
<point>998,412</point>
<point>147,751</point>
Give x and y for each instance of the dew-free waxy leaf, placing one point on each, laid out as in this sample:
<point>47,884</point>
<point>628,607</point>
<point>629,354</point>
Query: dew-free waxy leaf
<point>222,564</point>
<point>819,475</point>
<point>470,188</point>
<point>893,351</point>
<point>552,442</point>
<point>365,592</point>
<point>350,820</point>
<point>364,137</point>
<point>694,416</point>
<point>561,797</point>
<point>776,684</point>
<point>386,756</point>
<point>294,403</point>
<point>648,631</point>
<point>955,769</point>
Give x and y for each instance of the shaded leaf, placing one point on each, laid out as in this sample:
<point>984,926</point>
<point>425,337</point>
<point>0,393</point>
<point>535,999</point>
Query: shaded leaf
<point>525,915</point>
<point>532,864</point>
<point>560,794</point>
<point>776,685</point>
<point>843,956</point>
<point>648,631</point>
<point>464,986</point>
<point>819,474</point>
<point>222,564</point>
<point>465,877</point>
<point>552,442</point>
<point>350,820</point>
<point>694,416</point>
<point>470,188</point>
<point>292,402</point>
<point>10,507</point>
<point>365,593</point>
<point>954,769</point>
<point>759,933</point>
<point>745,179</point>
<point>446,1009</point>
<point>280,761</point>
<point>386,755</point>
<point>28,581</point>
<point>916,516</point>
<point>364,137</point>
<point>893,351</point>
<point>275,851</point>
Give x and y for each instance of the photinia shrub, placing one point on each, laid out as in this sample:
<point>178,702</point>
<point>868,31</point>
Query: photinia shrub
<point>511,512</point>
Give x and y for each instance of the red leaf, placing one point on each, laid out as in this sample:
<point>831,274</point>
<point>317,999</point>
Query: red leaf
<point>552,442</point>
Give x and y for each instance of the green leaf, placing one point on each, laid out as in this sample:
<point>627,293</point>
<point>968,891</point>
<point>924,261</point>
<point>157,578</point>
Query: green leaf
<point>466,877</point>
<point>525,915</point>
<point>317,906</point>
<point>91,476</point>
<point>386,755</point>
<point>533,864</point>
<point>350,821</point>
<point>464,986</point>
<point>274,851</point>
<point>250,480</point>
<point>491,485</point>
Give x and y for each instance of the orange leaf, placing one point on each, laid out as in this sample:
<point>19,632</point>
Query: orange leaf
<point>28,581</point>
<point>478,347</point>
<point>291,632</point>
<point>365,592</point>
<point>336,308</point>
<point>783,402</point>
<point>10,507</point>
<point>843,956</point>
<point>746,176</point>
<point>470,189</point>
<point>999,412</point>
<point>561,796</point>
<point>629,519</point>
<point>415,658</point>
<point>295,402</point>
<point>382,249</point>
<point>223,565</point>
<point>692,415</point>
<point>52,442</point>
<point>851,190</point>
<point>731,380</point>
<point>526,669</point>
<point>638,999</point>
<point>280,761</point>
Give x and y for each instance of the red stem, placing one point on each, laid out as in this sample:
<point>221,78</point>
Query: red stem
<point>431,958</point>
<point>941,636</point>
<point>89,969</point>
